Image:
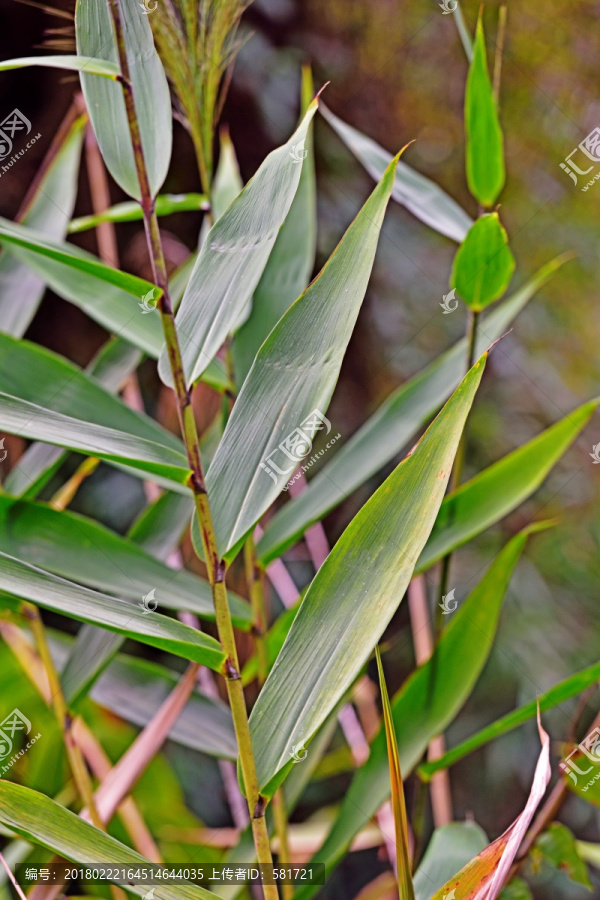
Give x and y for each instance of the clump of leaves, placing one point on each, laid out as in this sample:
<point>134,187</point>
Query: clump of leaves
<point>241,317</point>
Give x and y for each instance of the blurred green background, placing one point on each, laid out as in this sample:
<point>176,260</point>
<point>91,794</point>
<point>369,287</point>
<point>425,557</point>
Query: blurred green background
<point>397,72</point>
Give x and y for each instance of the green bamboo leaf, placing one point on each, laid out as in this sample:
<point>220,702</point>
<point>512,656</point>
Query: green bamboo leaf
<point>356,592</point>
<point>234,255</point>
<point>227,183</point>
<point>390,428</point>
<point>485,144</point>
<point>556,848</point>
<point>81,550</point>
<point>47,212</point>
<point>39,819</point>
<point>111,365</point>
<point>143,457</point>
<point>47,398</point>
<point>406,890</point>
<point>134,688</point>
<point>289,268</point>
<point>95,36</point>
<point>421,196</point>
<point>160,527</point>
<point>131,211</point>
<point>564,690</point>
<point>430,699</point>
<point>483,265</point>
<point>293,375</point>
<point>27,582</point>
<point>451,847</point>
<point>92,66</point>
<point>494,493</point>
<point>109,296</point>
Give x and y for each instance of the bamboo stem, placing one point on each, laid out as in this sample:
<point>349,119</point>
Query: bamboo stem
<point>459,461</point>
<point>65,720</point>
<point>257,602</point>
<point>216,567</point>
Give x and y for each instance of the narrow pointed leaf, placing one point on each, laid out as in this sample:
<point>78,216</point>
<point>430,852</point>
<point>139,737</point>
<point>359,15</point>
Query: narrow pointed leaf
<point>390,428</point>
<point>110,367</point>
<point>47,398</point>
<point>421,196</point>
<point>130,211</point>
<point>294,374</point>
<point>564,690</point>
<point>483,265</point>
<point>39,819</point>
<point>21,580</point>
<point>92,66</point>
<point>430,699</point>
<point>451,847</point>
<point>48,213</point>
<point>234,255</point>
<point>483,878</point>
<point>405,883</point>
<point>95,36</point>
<point>227,183</point>
<point>485,143</point>
<point>79,549</point>
<point>495,492</point>
<point>288,270</point>
<point>356,592</point>
<point>110,297</point>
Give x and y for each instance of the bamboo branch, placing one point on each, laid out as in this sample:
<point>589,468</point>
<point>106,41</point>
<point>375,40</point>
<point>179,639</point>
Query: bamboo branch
<point>216,567</point>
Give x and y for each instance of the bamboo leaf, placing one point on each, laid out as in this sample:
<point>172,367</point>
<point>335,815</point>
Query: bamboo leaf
<point>390,428</point>
<point>494,493</point>
<point>293,375</point>
<point>234,255</point>
<point>92,66</point>
<point>430,699</point>
<point>451,847</point>
<point>485,144</point>
<point>356,592</point>
<point>21,580</point>
<point>42,821</point>
<point>81,550</point>
<point>484,877</point>
<point>227,183</point>
<point>109,296</point>
<point>483,265</point>
<point>47,398</point>
<point>289,268</point>
<point>131,211</point>
<point>95,36</point>
<point>48,212</point>
<point>406,889</point>
<point>421,196</point>
<point>564,690</point>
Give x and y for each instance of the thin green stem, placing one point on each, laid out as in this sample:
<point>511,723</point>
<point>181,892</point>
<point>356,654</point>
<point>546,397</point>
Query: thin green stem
<point>64,717</point>
<point>457,470</point>
<point>216,567</point>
